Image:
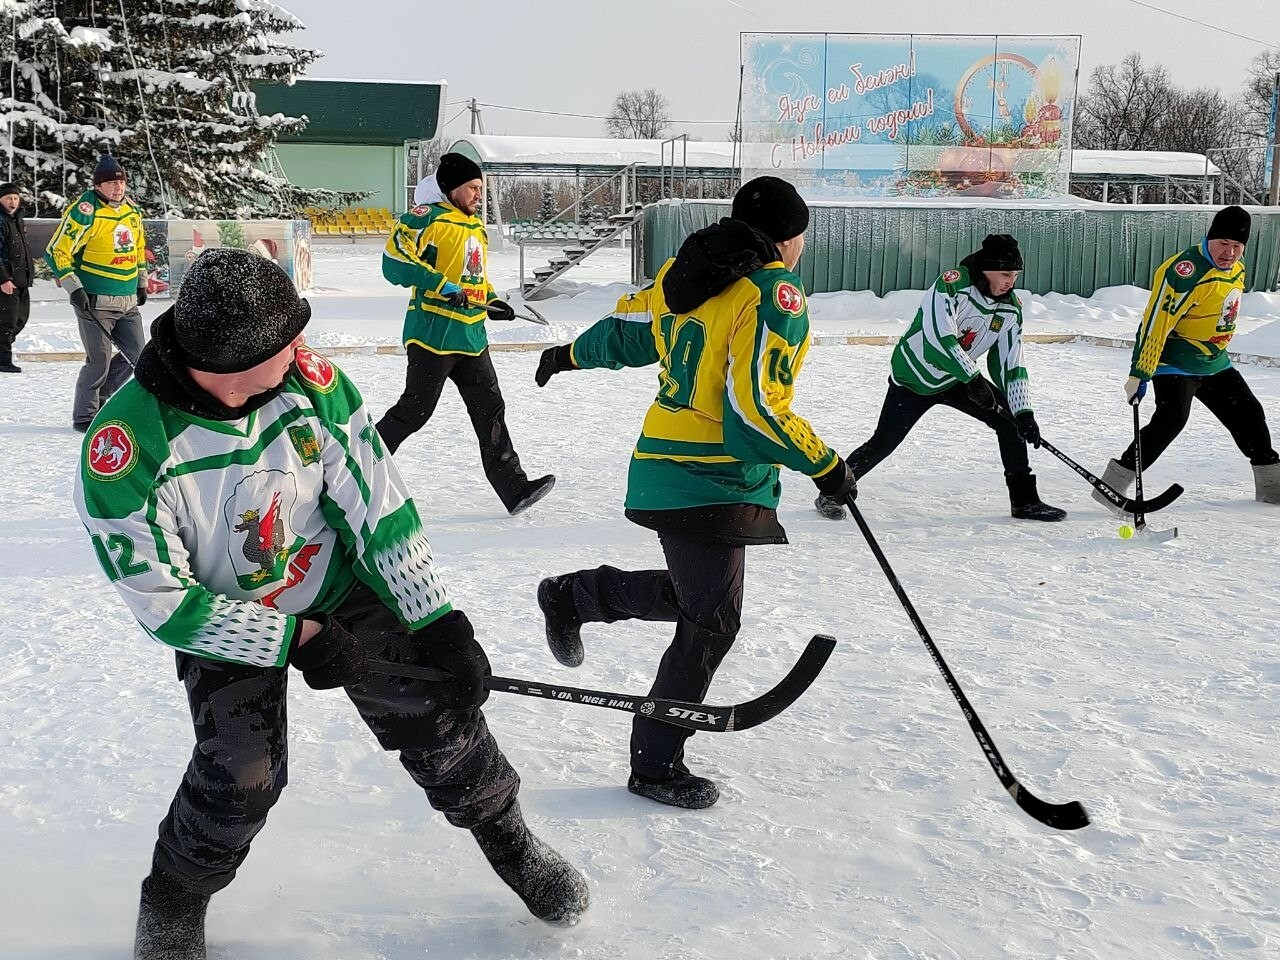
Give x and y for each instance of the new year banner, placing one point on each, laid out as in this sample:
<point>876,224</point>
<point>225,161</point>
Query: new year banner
<point>857,115</point>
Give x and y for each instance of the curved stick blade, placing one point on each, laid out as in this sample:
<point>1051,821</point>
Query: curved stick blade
<point>1061,816</point>
<point>788,690</point>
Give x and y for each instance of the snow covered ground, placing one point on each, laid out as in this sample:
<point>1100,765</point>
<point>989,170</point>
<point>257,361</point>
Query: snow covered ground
<point>864,822</point>
<point>352,305</point>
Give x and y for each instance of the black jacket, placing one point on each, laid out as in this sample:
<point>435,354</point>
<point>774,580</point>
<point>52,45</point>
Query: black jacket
<point>15,254</point>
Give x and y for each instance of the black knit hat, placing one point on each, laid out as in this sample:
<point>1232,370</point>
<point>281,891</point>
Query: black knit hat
<point>999,252</point>
<point>454,171</point>
<point>235,309</point>
<point>773,207</point>
<point>108,169</point>
<point>8,188</point>
<point>1231,223</point>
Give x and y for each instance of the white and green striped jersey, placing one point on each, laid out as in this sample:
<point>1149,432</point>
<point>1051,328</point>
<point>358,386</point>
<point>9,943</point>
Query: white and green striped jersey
<point>955,325</point>
<point>221,534</point>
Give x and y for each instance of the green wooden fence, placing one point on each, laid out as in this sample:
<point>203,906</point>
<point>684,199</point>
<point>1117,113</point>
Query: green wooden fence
<point>905,246</point>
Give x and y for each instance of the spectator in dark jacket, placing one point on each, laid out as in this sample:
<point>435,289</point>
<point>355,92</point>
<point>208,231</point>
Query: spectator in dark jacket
<point>15,274</point>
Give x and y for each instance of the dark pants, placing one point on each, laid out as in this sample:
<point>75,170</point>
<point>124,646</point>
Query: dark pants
<point>477,384</point>
<point>903,409</point>
<point>105,371</point>
<point>1227,397</point>
<point>240,761</point>
<point>15,311</point>
<point>701,592</point>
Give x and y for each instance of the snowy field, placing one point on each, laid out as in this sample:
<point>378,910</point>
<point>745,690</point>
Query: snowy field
<point>864,822</point>
<point>353,305</point>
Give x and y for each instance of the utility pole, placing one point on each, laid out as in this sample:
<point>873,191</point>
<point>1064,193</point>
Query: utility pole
<point>477,124</point>
<point>1273,197</point>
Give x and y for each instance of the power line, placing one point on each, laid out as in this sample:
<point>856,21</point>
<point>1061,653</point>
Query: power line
<point>582,116</point>
<point>1201,23</point>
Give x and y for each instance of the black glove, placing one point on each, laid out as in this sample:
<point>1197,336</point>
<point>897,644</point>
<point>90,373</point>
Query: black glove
<point>1028,429</point>
<point>331,658</point>
<point>501,310</point>
<point>142,294</point>
<point>981,392</point>
<point>450,645</point>
<point>838,483</point>
<point>80,300</point>
<point>458,300</point>
<point>554,360</point>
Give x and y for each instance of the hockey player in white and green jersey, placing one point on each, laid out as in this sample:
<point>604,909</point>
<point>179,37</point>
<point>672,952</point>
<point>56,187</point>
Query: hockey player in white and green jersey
<point>970,311</point>
<point>239,498</point>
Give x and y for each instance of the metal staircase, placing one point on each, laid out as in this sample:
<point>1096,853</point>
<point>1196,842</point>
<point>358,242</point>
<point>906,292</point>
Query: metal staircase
<point>588,242</point>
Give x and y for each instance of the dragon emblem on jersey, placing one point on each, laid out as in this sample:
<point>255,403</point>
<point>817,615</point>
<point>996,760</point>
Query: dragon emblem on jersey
<point>315,369</point>
<point>472,262</point>
<point>1230,312</point>
<point>86,208</point>
<point>112,452</point>
<point>122,238</point>
<point>1184,268</point>
<point>967,338</point>
<point>257,515</point>
<point>788,298</point>
<point>951,276</point>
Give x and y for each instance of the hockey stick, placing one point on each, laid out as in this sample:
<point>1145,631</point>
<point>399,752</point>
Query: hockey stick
<point>678,713</point>
<point>1060,816</point>
<point>1139,515</point>
<point>1122,503</point>
<point>114,342</point>
<point>532,316</point>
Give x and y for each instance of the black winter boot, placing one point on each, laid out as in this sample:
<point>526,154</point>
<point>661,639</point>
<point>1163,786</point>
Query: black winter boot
<point>6,361</point>
<point>681,789</point>
<point>552,890</point>
<point>170,921</point>
<point>533,491</point>
<point>1025,503</point>
<point>564,637</point>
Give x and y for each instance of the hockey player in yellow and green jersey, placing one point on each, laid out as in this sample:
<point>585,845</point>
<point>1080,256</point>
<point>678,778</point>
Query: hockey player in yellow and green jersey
<point>97,257</point>
<point>1181,349</point>
<point>970,311</point>
<point>439,250</point>
<point>727,322</point>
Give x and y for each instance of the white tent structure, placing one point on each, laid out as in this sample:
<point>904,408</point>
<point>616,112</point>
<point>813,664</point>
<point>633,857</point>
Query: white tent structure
<point>1184,176</point>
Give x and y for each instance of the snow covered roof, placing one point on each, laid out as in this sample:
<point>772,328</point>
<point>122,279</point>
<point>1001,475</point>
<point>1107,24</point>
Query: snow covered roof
<point>1141,163</point>
<point>499,151</point>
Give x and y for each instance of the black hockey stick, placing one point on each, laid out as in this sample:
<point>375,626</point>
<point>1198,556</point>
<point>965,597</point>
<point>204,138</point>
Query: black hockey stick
<point>1140,515</point>
<point>1122,503</point>
<point>532,316</point>
<point>679,713</point>
<point>114,342</point>
<point>1060,816</point>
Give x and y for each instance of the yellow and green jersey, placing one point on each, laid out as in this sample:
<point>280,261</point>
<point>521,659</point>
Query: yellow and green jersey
<point>721,424</point>
<point>430,246</point>
<point>102,245</point>
<point>1190,318</point>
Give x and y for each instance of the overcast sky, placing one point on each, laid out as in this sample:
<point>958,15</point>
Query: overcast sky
<point>575,56</point>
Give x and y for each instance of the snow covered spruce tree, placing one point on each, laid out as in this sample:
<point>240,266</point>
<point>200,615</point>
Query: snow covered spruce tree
<point>167,89</point>
<point>191,63</point>
<point>58,108</point>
